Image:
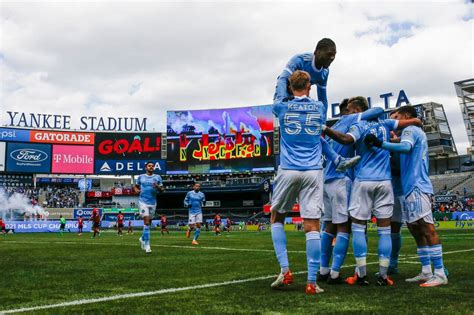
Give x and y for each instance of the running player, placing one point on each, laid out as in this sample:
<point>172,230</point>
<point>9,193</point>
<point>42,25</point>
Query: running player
<point>337,188</point>
<point>316,64</point>
<point>147,186</point>
<point>194,201</point>
<point>217,224</point>
<point>372,192</point>
<point>95,218</point>
<point>417,190</point>
<point>62,224</point>
<point>80,225</point>
<point>164,225</point>
<point>299,176</point>
<point>120,218</point>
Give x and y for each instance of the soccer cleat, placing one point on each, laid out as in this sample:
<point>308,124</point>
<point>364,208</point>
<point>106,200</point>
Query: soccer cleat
<point>142,243</point>
<point>313,289</point>
<point>321,277</point>
<point>362,281</point>
<point>337,280</point>
<point>194,242</point>
<point>421,277</point>
<point>148,249</point>
<point>352,280</point>
<point>188,233</point>
<point>436,280</point>
<point>393,271</point>
<point>381,281</point>
<point>345,163</point>
<point>282,279</point>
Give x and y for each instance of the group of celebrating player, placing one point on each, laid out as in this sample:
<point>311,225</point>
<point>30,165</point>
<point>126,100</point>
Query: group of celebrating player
<point>389,180</point>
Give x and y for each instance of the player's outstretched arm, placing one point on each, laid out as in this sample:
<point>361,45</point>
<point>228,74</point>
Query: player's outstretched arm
<point>371,113</point>
<point>186,200</point>
<point>409,122</point>
<point>402,147</point>
<point>340,137</point>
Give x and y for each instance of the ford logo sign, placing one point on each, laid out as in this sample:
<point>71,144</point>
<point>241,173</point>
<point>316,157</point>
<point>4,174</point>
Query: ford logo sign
<point>28,155</point>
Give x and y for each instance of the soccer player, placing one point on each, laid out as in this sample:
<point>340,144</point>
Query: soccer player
<point>120,218</point>
<point>80,225</point>
<point>147,186</point>
<point>164,225</point>
<point>337,188</point>
<point>417,190</point>
<point>397,217</point>
<point>316,64</point>
<point>3,227</point>
<point>217,224</point>
<point>95,218</point>
<point>371,192</point>
<point>62,226</point>
<point>300,176</point>
<point>228,224</point>
<point>130,229</point>
<point>194,201</point>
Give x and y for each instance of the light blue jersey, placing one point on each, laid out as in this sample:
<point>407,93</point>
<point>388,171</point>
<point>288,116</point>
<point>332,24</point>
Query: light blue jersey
<point>304,62</point>
<point>414,166</point>
<point>148,190</point>
<point>375,162</point>
<point>300,129</point>
<point>194,201</point>
<point>343,125</point>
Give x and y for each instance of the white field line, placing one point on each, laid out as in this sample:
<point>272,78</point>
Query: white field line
<point>148,293</point>
<point>170,246</point>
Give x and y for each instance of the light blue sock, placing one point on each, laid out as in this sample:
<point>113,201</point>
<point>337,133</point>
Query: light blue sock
<point>340,250</point>
<point>436,255</point>
<point>396,245</point>
<point>146,234</point>
<point>385,249</point>
<point>359,244</point>
<point>196,234</point>
<point>279,243</point>
<point>313,254</point>
<point>326,252</point>
<point>423,253</point>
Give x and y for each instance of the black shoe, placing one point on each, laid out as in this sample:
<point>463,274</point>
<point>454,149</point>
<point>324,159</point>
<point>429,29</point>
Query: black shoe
<point>362,281</point>
<point>382,282</point>
<point>321,277</point>
<point>337,280</point>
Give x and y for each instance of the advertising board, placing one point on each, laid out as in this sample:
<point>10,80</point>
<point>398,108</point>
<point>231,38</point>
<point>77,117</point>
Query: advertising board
<point>28,157</point>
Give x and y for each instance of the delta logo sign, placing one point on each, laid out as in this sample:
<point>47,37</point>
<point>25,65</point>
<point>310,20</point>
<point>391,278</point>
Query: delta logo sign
<point>127,167</point>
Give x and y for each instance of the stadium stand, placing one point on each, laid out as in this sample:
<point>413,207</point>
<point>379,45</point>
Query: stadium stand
<point>448,182</point>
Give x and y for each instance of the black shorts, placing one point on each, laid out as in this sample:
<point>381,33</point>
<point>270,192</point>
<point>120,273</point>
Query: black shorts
<point>96,225</point>
<point>79,227</point>
<point>120,225</point>
<point>164,226</point>
<point>62,226</point>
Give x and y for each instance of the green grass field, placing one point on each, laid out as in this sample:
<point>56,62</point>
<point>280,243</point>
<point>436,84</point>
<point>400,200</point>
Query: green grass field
<point>46,270</point>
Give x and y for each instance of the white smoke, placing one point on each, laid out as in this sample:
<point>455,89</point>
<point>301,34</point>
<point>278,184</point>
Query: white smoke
<point>19,203</point>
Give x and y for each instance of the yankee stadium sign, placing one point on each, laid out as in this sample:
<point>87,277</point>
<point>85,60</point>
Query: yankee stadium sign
<point>54,121</point>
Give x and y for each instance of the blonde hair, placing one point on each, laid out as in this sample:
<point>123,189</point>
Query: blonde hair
<point>299,80</point>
